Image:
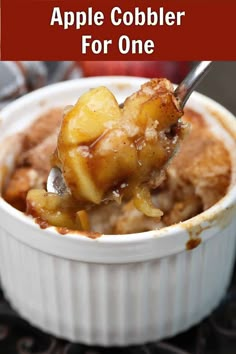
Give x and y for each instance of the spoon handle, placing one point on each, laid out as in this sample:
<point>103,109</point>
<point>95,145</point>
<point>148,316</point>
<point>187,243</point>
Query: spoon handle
<point>186,87</point>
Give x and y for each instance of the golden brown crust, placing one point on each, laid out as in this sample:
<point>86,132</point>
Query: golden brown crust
<point>22,180</point>
<point>203,162</point>
<point>39,156</point>
<point>33,163</point>
<point>43,127</point>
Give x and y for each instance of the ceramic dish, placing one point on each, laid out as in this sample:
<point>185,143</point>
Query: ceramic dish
<point>116,289</point>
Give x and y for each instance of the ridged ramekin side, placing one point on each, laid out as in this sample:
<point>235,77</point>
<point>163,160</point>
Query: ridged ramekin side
<point>116,304</point>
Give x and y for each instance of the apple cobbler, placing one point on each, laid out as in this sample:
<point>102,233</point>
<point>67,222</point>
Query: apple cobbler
<point>118,163</point>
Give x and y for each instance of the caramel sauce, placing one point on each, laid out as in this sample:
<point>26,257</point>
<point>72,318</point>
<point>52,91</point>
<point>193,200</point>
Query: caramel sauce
<point>4,172</point>
<point>42,223</point>
<point>89,234</point>
<point>193,243</point>
<point>30,210</point>
<point>63,230</point>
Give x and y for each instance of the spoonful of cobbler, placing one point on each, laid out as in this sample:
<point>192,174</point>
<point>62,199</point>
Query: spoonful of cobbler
<point>106,152</point>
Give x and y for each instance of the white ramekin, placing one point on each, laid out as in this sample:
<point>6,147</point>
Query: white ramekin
<point>115,290</point>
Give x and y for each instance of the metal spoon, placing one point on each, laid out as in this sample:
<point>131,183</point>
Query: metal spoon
<point>186,87</point>
<point>56,183</point>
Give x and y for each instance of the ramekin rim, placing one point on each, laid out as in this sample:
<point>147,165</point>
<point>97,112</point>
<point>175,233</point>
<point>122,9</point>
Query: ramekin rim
<point>226,202</point>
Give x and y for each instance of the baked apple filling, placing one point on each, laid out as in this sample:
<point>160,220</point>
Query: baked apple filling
<point>119,163</point>
<point>106,152</point>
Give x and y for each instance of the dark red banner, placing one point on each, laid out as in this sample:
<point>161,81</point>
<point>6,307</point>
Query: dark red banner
<point>118,30</point>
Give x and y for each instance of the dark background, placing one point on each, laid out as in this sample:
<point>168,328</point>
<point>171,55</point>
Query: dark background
<point>220,84</point>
